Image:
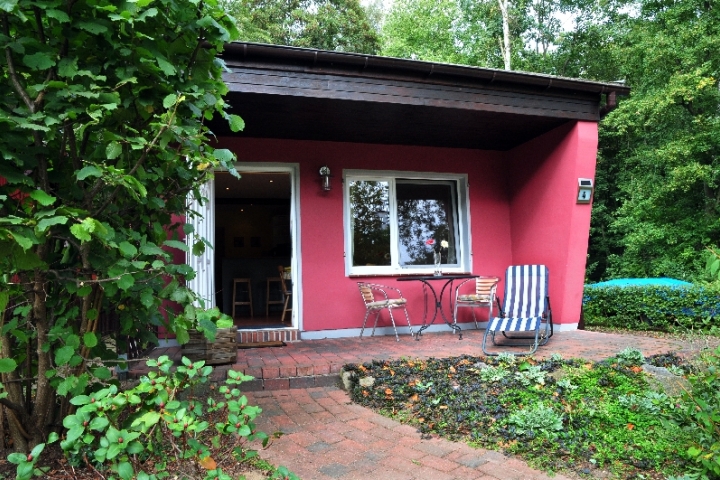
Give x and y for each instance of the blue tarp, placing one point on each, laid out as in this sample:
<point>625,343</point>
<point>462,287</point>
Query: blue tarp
<point>639,282</point>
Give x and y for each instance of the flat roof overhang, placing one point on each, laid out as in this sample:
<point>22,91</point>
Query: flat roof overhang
<point>308,94</point>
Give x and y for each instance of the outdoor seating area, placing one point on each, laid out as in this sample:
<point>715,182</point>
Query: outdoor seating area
<point>525,308</point>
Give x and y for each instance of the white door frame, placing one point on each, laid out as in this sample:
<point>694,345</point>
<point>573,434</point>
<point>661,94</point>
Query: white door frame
<point>203,283</point>
<point>203,227</point>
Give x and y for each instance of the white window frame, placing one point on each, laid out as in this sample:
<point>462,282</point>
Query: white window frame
<point>464,253</point>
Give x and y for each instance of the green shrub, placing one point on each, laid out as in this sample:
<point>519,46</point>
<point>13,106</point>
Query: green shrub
<point>700,416</point>
<point>140,432</point>
<point>653,307</point>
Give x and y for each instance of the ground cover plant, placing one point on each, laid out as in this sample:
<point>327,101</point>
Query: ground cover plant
<point>559,415</point>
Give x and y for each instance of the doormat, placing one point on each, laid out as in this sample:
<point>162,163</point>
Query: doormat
<point>260,344</point>
<point>262,326</point>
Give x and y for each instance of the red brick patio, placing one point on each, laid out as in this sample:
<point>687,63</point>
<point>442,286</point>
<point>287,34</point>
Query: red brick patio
<point>312,363</point>
<point>327,437</point>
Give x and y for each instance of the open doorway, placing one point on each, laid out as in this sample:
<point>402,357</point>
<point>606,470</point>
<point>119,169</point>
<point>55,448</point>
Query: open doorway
<point>252,238</point>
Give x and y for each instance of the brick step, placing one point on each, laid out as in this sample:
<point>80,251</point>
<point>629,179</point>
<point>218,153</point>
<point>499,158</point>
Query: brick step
<point>267,335</point>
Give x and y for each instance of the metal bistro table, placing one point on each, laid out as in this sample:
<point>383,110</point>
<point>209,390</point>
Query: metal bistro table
<point>426,279</point>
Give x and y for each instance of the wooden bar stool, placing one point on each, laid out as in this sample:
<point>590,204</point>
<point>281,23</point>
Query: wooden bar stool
<point>241,281</point>
<point>278,288</point>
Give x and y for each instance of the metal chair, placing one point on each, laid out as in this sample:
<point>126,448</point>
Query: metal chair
<point>483,297</point>
<point>287,293</point>
<point>376,299</point>
<point>526,308</point>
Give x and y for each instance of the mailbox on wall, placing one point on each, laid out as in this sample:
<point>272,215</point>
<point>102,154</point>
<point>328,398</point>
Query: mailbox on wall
<point>585,190</point>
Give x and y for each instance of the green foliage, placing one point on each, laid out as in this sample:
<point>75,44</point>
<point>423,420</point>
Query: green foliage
<point>136,433</point>
<point>342,25</point>
<point>537,419</point>
<point>712,265</point>
<point>26,464</point>
<point>631,357</point>
<point>422,30</point>
<point>557,414</point>
<point>700,417</point>
<point>653,307</point>
<point>530,375</point>
<point>660,146</point>
<point>103,112</point>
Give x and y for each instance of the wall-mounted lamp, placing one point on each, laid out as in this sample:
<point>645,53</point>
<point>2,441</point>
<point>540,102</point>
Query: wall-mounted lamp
<point>325,176</point>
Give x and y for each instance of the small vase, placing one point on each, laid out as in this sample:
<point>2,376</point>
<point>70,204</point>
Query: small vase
<point>437,258</point>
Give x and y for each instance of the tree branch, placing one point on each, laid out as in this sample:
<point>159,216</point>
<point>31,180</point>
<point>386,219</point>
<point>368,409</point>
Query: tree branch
<point>39,25</point>
<point>14,78</point>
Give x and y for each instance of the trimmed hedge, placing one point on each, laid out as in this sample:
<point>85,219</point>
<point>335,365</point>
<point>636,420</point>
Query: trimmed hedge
<point>653,307</point>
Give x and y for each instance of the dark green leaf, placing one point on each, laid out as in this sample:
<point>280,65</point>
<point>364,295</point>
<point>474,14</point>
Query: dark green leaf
<point>63,355</point>
<point>126,281</point>
<point>7,365</point>
<point>38,61</point>
<point>92,27</point>
<point>90,339</point>
<point>127,249</point>
<point>237,124</point>
<point>42,198</point>
<point>8,5</point>
<point>169,100</point>
<point>103,373</point>
<point>166,67</point>
<point>223,155</point>
<point>46,223</point>
<point>176,244</point>
<point>89,171</point>
<point>113,150</point>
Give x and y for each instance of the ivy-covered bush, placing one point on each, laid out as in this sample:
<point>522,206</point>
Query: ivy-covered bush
<point>661,308</point>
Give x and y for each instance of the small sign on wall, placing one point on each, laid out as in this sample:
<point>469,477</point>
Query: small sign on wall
<point>585,190</point>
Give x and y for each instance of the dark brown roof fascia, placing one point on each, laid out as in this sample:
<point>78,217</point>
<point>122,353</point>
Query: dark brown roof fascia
<point>358,62</point>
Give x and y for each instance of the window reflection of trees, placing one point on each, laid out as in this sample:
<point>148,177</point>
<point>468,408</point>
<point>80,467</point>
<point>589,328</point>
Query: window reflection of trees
<point>425,211</point>
<point>370,213</point>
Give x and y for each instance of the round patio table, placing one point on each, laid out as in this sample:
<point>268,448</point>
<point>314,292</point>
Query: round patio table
<point>427,285</point>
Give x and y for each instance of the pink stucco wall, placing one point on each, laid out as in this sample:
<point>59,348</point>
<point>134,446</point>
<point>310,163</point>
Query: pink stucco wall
<point>547,224</point>
<point>522,206</point>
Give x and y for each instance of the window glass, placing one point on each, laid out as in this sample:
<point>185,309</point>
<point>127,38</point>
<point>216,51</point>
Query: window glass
<point>394,223</point>
<point>425,217</point>
<point>370,219</point>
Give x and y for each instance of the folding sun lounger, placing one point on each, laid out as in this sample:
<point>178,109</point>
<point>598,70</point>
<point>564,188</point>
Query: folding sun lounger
<point>525,309</point>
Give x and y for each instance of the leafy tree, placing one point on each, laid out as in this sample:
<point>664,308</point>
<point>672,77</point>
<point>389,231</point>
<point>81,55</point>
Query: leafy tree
<point>342,25</point>
<point>102,110</point>
<point>488,33</point>
<point>665,142</point>
<point>423,30</point>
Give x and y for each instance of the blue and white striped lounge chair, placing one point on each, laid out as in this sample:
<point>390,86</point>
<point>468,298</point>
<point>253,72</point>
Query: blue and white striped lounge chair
<point>526,308</point>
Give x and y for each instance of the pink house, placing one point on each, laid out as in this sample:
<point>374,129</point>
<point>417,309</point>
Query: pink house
<point>489,160</point>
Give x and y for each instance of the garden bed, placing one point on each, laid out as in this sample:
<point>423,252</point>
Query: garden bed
<point>598,419</point>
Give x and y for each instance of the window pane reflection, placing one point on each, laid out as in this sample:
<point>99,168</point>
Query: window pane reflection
<point>370,214</point>
<point>425,211</point>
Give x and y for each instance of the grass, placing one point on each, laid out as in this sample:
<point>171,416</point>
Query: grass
<point>559,415</point>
